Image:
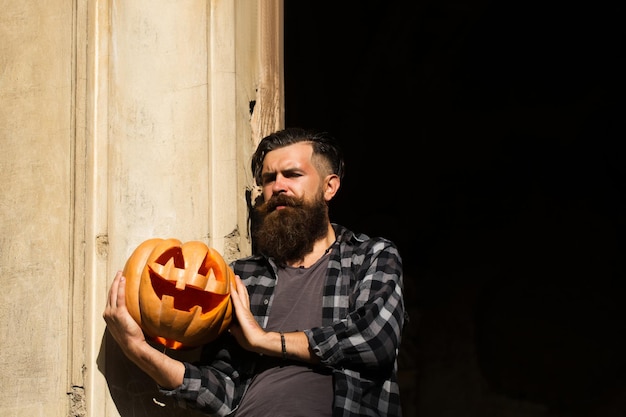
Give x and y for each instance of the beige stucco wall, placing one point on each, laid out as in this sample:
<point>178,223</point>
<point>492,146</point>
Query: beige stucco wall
<point>35,188</point>
<point>120,121</point>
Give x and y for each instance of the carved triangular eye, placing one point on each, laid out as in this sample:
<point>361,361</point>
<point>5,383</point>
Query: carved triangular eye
<point>174,254</point>
<point>204,267</point>
<point>179,293</point>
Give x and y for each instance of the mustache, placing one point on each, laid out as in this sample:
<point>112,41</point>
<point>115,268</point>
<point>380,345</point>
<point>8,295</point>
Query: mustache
<point>281,200</point>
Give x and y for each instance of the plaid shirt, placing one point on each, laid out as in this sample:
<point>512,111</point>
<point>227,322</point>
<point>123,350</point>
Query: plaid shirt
<point>363,316</point>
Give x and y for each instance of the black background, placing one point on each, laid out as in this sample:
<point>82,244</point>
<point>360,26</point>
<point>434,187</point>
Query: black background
<point>486,140</point>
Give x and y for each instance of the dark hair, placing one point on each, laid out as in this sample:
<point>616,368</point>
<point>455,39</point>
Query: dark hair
<point>323,144</point>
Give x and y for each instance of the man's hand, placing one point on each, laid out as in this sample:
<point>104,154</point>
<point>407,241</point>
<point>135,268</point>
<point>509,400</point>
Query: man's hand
<point>245,329</point>
<point>254,338</point>
<point>166,372</point>
<point>124,329</point>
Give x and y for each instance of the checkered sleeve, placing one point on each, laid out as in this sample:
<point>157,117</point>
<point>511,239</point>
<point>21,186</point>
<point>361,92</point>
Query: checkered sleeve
<point>365,334</point>
<point>214,385</point>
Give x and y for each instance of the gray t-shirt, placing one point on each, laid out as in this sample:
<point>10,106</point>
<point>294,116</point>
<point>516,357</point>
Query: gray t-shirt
<point>292,389</point>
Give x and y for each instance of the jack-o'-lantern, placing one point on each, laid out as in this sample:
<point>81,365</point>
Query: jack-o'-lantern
<point>179,293</point>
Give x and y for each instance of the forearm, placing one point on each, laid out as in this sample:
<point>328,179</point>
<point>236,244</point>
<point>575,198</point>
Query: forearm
<point>296,346</point>
<point>164,370</point>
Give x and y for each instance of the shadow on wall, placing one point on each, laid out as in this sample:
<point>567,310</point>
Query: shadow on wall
<point>133,392</point>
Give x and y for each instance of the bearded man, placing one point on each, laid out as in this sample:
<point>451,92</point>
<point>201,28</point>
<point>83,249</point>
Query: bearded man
<point>319,309</point>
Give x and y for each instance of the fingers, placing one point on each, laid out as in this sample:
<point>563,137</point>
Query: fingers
<point>117,293</point>
<point>234,294</point>
<point>242,292</point>
<point>239,296</point>
<point>246,329</point>
<point>120,324</point>
<point>121,291</point>
<point>111,300</point>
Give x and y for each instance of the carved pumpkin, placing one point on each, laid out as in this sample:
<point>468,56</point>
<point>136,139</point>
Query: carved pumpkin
<point>179,293</point>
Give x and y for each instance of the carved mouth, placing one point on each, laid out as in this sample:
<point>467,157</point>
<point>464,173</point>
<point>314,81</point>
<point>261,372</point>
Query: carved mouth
<point>171,264</point>
<point>187,298</point>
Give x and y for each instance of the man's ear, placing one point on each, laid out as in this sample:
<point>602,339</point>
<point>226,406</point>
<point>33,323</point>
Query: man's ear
<point>331,186</point>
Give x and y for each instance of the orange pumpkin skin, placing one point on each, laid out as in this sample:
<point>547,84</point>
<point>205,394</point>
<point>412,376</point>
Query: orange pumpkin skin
<point>179,293</point>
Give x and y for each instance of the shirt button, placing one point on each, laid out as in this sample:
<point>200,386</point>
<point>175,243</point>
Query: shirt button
<point>266,301</point>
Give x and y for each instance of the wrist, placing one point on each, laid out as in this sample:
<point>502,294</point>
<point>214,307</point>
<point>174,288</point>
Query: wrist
<point>272,344</point>
<point>137,349</point>
<point>283,346</point>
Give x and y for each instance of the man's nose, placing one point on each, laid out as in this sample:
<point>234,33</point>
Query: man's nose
<point>280,185</point>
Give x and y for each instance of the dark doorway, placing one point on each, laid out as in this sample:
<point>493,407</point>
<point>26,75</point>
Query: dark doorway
<point>486,140</point>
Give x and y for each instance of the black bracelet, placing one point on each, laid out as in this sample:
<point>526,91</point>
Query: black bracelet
<point>284,346</point>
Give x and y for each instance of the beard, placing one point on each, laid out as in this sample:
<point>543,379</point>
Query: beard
<point>288,235</point>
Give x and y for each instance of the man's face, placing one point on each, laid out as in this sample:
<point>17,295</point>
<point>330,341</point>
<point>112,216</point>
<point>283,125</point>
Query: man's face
<point>294,214</point>
<point>290,171</point>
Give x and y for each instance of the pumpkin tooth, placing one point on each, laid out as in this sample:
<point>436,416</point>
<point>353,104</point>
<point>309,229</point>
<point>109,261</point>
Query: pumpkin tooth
<point>180,283</point>
<point>165,270</point>
<point>167,301</point>
<point>166,314</point>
